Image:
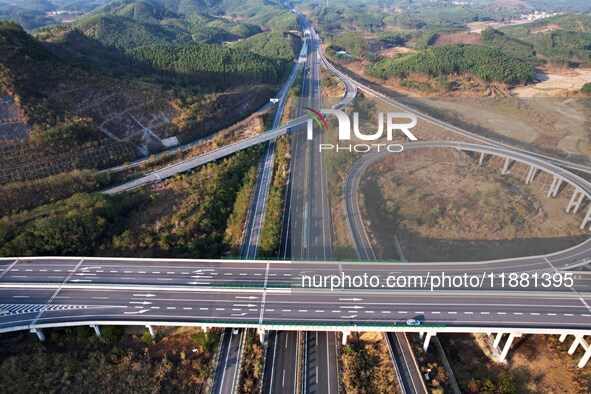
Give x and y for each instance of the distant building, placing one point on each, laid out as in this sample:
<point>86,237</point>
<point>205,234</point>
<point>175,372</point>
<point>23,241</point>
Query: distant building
<point>170,142</point>
<point>539,15</point>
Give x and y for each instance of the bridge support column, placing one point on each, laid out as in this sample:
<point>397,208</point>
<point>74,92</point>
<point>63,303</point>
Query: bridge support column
<point>572,200</point>
<point>421,335</point>
<point>531,175</point>
<point>152,332</point>
<point>204,328</point>
<point>97,330</point>
<point>554,187</point>
<point>579,340</point>
<point>579,201</point>
<point>506,166</point>
<point>586,220</point>
<point>508,346</point>
<point>562,337</point>
<point>39,333</point>
<point>557,188</point>
<point>427,340</point>
<point>551,187</point>
<point>345,335</point>
<point>497,340</point>
<point>585,358</point>
<point>262,336</point>
<point>482,157</point>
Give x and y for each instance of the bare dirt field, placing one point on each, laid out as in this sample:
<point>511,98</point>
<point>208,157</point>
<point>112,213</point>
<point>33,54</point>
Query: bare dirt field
<point>458,38</point>
<point>444,207</point>
<point>536,364</point>
<point>560,126</point>
<point>477,27</point>
<point>555,82</point>
<point>394,51</point>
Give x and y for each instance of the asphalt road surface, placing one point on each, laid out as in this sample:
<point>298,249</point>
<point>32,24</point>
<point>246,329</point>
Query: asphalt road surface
<point>281,368</point>
<point>24,307</point>
<point>226,375</point>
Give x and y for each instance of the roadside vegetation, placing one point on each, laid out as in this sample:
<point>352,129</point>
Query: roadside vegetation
<point>430,364</point>
<point>194,214</point>
<point>252,364</point>
<point>21,196</point>
<point>270,238</point>
<point>536,364</point>
<point>366,365</point>
<point>238,218</point>
<point>179,360</point>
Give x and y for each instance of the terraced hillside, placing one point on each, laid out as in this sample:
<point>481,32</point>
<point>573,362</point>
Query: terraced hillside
<point>113,85</point>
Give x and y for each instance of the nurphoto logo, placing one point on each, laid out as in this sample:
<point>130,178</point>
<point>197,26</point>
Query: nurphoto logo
<point>392,124</point>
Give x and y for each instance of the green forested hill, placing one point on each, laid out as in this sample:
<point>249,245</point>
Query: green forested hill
<point>210,63</point>
<point>509,45</point>
<point>171,36</point>
<point>273,45</point>
<point>129,24</point>
<point>562,38</point>
<point>234,16</point>
<point>487,63</point>
<point>27,68</point>
<point>122,32</point>
<point>127,32</point>
<point>16,45</point>
<point>143,11</point>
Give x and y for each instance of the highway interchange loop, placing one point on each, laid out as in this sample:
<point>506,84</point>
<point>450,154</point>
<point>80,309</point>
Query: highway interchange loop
<point>53,291</point>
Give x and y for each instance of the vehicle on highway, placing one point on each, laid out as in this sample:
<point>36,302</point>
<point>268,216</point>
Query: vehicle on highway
<point>413,322</point>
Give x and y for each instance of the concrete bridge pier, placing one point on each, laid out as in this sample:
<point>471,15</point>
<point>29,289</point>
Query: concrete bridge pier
<point>562,337</point>
<point>345,335</point>
<point>205,328</point>
<point>39,333</point>
<point>151,330</point>
<point>585,358</point>
<point>261,335</point>
<point>506,166</point>
<point>557,188</point>
<point>482,158</point>
<point>531,175</point>
<point>507,346</point>
<point>427,340</point>
<point>573,200</point>
<point>579,201</point>
<point>97,330</point>
<point>580,340</point>
<point>497,340</point>
<point>554,186</point>
<point>586,220</point>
